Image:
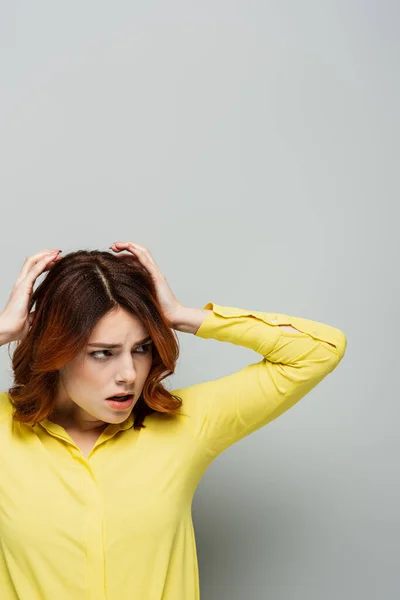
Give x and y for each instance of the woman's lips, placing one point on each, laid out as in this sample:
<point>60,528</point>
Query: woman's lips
<point>120,404</point>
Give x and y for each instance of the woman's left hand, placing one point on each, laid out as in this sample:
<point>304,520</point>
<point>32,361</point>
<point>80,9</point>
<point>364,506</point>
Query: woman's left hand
<point>170,305</point>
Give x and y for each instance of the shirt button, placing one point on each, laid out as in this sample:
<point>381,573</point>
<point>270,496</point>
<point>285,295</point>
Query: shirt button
<point>314,332</point>
<point>273,321</point>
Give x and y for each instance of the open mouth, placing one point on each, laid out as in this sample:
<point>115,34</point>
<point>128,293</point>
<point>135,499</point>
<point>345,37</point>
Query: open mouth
<point>126,398</point>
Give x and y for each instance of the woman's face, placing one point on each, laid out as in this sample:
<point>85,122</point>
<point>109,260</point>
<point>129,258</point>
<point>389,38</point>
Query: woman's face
<point>100,372</point>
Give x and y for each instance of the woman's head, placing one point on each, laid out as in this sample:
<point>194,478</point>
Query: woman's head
<point>94,297</point>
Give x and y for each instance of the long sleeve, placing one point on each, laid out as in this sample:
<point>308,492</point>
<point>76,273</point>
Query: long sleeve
<point>223,411</point>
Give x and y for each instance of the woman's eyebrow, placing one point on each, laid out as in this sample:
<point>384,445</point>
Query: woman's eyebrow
<point>104,345</point>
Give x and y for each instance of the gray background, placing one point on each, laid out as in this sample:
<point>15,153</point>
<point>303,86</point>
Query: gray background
<point>252,146</point>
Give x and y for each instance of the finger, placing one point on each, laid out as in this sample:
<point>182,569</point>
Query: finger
<point>35,268</point>
<point>51,264</point>
<point>140,250</point>
<point>31,316</point>
<point>38,255</point>
<point>33,259</point>
<point>143,259</point>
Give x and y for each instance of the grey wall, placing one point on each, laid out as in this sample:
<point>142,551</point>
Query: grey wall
<point>252,146</point>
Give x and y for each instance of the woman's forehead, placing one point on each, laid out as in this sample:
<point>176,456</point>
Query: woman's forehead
<point>121,324</point>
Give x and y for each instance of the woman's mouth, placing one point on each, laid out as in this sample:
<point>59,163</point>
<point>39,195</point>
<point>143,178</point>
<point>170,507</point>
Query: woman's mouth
<point>120,402</point>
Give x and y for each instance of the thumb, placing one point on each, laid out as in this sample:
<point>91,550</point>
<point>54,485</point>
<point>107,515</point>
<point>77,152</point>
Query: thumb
<point>31,316</point>
<point>28,324</point>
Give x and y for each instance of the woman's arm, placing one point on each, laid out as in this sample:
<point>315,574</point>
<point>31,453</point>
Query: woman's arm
<point>190,319</point>
<point>296,354</point>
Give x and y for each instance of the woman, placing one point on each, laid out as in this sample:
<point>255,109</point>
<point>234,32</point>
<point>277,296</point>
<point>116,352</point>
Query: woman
<point>95,490</point>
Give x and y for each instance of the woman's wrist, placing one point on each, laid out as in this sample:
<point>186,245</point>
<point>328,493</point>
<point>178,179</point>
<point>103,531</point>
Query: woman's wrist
<point>190,319</point>
<point>6,336</point>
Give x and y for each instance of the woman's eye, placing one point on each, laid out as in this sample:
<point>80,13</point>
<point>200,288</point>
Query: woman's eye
<point>98,352</point>
<point>145,349</point>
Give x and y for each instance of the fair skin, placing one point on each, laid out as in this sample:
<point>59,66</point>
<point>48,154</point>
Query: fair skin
<point>85,382</point>
<point>99,372</point>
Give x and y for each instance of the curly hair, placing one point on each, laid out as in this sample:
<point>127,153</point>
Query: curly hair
<point>75,293</point>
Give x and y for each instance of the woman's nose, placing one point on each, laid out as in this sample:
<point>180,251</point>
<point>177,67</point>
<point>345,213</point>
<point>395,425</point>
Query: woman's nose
<point>126,371</point>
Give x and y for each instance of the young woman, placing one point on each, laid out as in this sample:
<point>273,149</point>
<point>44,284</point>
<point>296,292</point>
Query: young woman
<point>99,462</point>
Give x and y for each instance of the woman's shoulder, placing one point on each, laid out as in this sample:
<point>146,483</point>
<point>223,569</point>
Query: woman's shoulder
<point>6,407</point>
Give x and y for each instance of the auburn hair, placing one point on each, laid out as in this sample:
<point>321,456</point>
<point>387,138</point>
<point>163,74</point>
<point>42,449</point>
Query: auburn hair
<point>75,293</point>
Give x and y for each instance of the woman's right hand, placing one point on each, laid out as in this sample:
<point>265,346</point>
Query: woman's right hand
<point>14,319</point>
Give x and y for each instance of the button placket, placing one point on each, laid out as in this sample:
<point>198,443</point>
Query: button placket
<point>94,537</point>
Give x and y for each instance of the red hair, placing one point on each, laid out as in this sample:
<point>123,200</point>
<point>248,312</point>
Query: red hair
<point>75,293</point>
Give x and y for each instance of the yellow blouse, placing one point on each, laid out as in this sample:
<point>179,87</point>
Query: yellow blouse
<point>118,524</point>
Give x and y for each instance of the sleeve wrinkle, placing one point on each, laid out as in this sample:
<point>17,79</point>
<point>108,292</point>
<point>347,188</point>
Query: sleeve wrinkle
<point>224,410</point>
